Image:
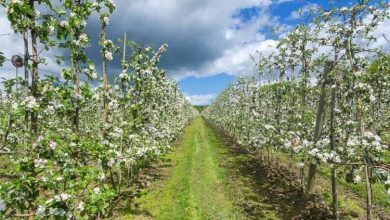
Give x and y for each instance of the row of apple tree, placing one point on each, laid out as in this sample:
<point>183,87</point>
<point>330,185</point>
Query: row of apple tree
<point>69,147</point>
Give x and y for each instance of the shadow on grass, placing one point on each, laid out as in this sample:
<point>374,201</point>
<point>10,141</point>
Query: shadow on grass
<point>269,187</point>
<point>139,186</point>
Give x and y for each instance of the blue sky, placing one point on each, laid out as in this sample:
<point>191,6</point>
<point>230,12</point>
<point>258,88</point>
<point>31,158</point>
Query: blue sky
<point>202,90</point>
<point>205,85</point>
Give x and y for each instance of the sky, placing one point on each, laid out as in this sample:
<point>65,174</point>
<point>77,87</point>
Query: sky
<point>210,41</point>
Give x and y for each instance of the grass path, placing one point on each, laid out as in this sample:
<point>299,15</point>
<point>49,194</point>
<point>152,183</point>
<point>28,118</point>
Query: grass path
<point>196,186</point>
<point>207,176</point>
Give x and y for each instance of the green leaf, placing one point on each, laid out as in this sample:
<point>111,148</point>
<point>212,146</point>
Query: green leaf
<point>2,58</point>
<point>60,11</point>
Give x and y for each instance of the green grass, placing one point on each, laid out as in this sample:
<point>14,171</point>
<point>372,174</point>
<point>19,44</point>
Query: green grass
<point>378,190</point>
<point>197,187</point>
<point>200,108</point>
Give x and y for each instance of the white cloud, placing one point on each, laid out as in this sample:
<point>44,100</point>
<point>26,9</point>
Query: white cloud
<point>234,61</point>
<point>201,99</point>
<point>382,33</point>
<point>12,44</point>
<point>283,1</point>
<point>237,60</point>
<point>303,11</point>
<point>202,35</point>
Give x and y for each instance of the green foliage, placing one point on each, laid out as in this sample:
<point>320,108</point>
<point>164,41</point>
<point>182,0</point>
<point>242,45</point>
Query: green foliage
<point>200,108</point>
<point>2,58</point>
<point>381,65</point>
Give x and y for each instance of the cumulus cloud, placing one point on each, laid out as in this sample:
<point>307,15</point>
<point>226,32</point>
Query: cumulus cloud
<point>201,34</point>
<point>201,99</point>
<point>303,11</point>
<point>237,59</point>
<point>382,33</point>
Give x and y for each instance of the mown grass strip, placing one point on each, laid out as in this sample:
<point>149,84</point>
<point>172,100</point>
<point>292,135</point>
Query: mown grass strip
<point>196,187</point>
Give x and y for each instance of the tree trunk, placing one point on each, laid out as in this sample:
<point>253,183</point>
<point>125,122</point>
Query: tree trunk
<point>26,78</point>
<point>105,83</point>
<point>76,74</point>
<point>368,186</point>
<point>34,75</point>
<point>320,119</point>
<point>333,146</point>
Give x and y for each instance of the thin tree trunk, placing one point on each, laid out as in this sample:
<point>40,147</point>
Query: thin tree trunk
<point>26,78</point>
<point>368,186</point>
<point>333,146</point>
<point>359,116</point>
<point>302,175</point>
<point>105,83</point>
<point>123,111</point>
<point>31,214</point>
<point>77,110</point>
<point>76,74</point>
<point>26,57</point>
<point>34,75</point>
<point>320,119</point>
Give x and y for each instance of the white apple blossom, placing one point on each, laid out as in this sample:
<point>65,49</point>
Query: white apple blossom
<point>56,212</point>
<point>40,163</point>
<point>287,144</point>
<point>64,24</point>
<point>51,29</point>
<point>300,165</point>
<point>15,105</point>
<point>123,75</point>
<point>3,206</point>
<point>63,197</point>
<point>31,102</point>
<point>83,40</point>
<point>357,179</point>
<point>53,145</point>
<point>106,20</point>
<point>313,152</point>
<point>108,55</point>
<point>80,206</point>
<point>41,211</point>
<point>269,127</point>
<point>44,179</point>
<point>112,2</point>
<point>96,190</point>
